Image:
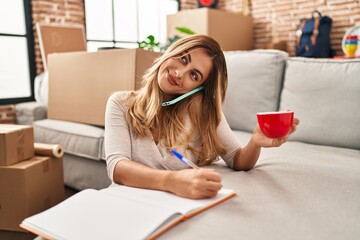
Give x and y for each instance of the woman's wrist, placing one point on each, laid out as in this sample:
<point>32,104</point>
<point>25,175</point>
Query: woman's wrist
<point>252,143</point>
<point>251,153</point>
<point>246,157</point>
<point>168,181</point>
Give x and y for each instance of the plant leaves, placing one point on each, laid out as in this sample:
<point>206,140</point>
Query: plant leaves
<point>149,44</point>
<point>185,30</point>
<point>151,38</point>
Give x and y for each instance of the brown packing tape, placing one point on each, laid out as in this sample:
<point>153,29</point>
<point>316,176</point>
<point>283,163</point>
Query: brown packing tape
<point>20,137</point>
<point>20,146</point>
<point>20,152</point>
<point>44,149</point>
<point>46,166</point>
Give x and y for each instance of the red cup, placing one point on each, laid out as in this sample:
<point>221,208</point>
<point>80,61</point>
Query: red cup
<point>275,124</point>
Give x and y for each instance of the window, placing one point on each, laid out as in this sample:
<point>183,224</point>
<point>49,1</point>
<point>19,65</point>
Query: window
<point>17,61</point>
<point>122,23</point>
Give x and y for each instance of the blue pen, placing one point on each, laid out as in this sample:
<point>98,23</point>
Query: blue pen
<point>184,159</point>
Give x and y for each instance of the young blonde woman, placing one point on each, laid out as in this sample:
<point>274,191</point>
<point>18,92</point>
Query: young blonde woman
<point>179,107</point>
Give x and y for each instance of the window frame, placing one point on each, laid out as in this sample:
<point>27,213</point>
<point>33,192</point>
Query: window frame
<point>31,55</point>
<point>113,41</point>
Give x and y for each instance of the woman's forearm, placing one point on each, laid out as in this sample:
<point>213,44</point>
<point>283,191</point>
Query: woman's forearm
<point>134,174</point>
<point>189,183</point>
<point>246,157</point>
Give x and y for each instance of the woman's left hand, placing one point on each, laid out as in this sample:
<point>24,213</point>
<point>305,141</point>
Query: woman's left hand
<point>261,140</point>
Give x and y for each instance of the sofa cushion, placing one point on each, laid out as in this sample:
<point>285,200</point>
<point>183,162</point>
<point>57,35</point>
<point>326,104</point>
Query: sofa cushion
<point>325,95</point>
<point>255,81</point>
<point>81,173</point>
<point>78,139</point>
<point>297,191</point>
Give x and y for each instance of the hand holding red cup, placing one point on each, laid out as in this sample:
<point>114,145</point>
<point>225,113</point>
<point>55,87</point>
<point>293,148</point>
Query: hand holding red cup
<point>275,124</point>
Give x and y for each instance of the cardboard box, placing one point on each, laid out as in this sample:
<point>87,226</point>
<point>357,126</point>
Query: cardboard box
<point>29,187</point>
<point>80,83</point>
<point>233,31</point>
<point>16,143</point>
<point>55,38</point>
<point>281,45</point>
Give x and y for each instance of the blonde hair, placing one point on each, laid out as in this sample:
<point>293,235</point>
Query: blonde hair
<point>204,108</point>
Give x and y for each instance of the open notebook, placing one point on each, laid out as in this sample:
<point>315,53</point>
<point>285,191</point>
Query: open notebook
<point>118,213</point>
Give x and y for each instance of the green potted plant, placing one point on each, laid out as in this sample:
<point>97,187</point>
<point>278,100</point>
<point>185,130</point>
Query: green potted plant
<point>151,44</point>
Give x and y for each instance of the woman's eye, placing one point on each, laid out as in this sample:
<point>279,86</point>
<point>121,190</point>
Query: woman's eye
<point>183,59</point>
<point>194,75</point>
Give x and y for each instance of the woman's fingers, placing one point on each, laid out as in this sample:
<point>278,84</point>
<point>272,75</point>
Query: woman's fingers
<point>198,183</point>
<point>294,126</point>
<point>211,183</point>
<point>212,175</point>
<point>296,121</point>
<point>211,189</point>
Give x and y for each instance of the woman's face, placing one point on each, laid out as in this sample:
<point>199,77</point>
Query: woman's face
<point>181,74</point>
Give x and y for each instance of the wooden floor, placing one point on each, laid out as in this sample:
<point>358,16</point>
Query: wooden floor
<point>10,235</point>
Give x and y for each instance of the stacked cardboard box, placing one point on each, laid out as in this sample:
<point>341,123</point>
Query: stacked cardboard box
<point>29,184</point>
<point>16,143</point>
<point>233,31</point>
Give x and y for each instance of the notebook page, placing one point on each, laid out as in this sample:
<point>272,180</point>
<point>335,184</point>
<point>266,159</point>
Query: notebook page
<point>165,199</point>
<point>90,214</point>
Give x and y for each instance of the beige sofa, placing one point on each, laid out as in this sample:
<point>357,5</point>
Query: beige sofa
<point>309,188</point>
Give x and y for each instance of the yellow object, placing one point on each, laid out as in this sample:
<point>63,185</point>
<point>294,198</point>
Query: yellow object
<point>350,50</point>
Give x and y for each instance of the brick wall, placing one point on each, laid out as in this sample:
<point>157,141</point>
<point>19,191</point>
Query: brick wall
<point>55,11</point>
<point>276,20</point>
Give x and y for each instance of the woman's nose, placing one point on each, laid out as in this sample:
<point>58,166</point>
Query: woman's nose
<point>179,72</point>
<point>179,76</point>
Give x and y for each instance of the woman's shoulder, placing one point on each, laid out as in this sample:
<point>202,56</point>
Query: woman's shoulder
<point>122,98</point>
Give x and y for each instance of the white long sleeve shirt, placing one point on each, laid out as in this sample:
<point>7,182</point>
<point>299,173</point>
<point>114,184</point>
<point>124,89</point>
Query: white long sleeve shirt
<point>121,143</point>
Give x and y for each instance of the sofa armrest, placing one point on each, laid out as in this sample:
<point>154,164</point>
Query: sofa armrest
<point>28,112</point>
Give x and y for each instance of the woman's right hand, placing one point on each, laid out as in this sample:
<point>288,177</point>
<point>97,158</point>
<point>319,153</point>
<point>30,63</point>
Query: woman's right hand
<point>194,183</point>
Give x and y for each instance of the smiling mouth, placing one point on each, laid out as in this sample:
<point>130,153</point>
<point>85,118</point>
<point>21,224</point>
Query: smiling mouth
<point>171,79</point>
